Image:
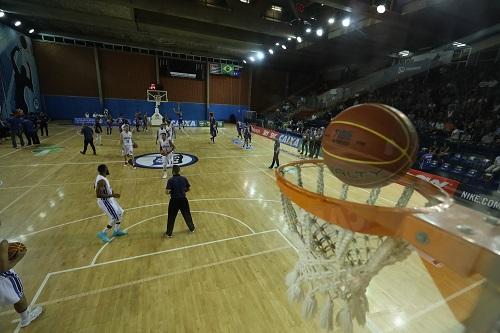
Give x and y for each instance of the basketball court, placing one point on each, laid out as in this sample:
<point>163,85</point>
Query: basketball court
<point>227,276</point>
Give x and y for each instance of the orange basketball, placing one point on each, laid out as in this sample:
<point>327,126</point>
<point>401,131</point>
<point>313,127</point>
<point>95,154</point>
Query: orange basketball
<point>14,249</point>
<point>369,145</point>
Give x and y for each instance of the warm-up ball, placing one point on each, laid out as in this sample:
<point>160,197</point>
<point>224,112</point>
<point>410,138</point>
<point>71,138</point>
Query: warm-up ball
<point>14,249</point>
<point>370,145</point>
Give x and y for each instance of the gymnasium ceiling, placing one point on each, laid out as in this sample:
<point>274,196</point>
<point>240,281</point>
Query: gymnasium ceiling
<point>233,29</point>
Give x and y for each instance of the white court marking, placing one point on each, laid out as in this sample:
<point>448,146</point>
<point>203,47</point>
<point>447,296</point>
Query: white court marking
<point>26,147</point>
<point>139,207</point>
<point>165,214</point>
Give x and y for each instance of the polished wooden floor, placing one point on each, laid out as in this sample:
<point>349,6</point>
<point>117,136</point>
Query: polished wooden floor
<point>226,277</point>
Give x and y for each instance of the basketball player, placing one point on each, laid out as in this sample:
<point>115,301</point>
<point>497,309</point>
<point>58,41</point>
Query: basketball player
<point>127,145</point>
<point>11,286</point>
<point>276,154</point>
<point>238,129</point>
<point>179,118</point>
<point>98,130</point>
<point>106,200</point>
<point>161,130</point>
<point>213,127</point>
<point>247,135</point>
<point>167,151</point>
<point>109,123</point>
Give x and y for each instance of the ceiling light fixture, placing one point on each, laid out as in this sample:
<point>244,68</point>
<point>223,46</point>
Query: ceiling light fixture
<point>260,55</point>
<point>271,51</point>
<point>2,14</point>
<point>346,22</point>
<point>17,23</point>
<point>251,58</point>
<point>283,47</point>
<point>331,20</point>
<point>299,39</point>
<point>277,44</point>
<point>276,8</point>
<point>245,1</point>
<point>404,53</point>
<point>244,61</point>
<point>289,38</point>
<point>458,44</point>
<point>380,9</point>
<point>308,30</point>
<point>31,31</point>
<point>319,32</point>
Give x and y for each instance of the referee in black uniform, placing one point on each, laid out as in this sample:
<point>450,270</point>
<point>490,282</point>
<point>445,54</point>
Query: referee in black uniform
<point>177,186</point>
<point>88,138</point>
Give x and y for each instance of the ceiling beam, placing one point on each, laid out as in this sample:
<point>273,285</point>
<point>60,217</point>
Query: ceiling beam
<point>244,16</point>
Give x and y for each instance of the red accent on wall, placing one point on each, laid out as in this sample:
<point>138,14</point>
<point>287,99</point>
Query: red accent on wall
<point>126,75</point>
<point>65,70</point>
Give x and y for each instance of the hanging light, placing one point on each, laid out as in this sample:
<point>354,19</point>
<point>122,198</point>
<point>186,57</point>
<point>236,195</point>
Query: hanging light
<point>319,32</point>
<point>331,20</point>
<point>346,22</point>
<point>271,51</point>
<point>308,30</point>
<point>31,31</point>
<point>260,55</point>
<point>380,9</point>
<point>299,39</point>
<point>251,58</point>
<point>283,46</point>
<point>17,23</point>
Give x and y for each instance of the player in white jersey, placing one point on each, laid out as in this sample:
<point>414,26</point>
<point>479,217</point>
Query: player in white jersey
<point>106,200</point>
<point>162,130</point>
<point>127,145</point>
<point>167,151</point>
<point>11,286</point>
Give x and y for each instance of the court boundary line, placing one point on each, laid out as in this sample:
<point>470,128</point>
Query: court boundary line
<point>93,262</point>
<point>139,207</point>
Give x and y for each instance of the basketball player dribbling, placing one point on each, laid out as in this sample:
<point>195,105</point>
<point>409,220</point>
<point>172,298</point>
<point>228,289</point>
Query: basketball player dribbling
<point>127,145</point>
<point>106,200</point>
<point>167,151</point>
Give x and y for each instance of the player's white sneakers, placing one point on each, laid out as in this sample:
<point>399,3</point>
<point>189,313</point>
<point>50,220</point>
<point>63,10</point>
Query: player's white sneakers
<point>164,176</point>
<point>33,314</point>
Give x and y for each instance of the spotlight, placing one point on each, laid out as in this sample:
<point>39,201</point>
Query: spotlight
<point>283,46</point>
<point>244,61</point>
<point>289,38</point>
<point>346,22</point>
<point>271,51</point>
<point>260,55</point>
<point>319,32</point>
<point>380,9</point>
<point>308,30</point>
<point>31,31</point>
<point>2,14</point>
<point>17,23</point>
<point>299,39</point>
<point>252,59</point>
<point>331,20</point>
<point>277,44</point>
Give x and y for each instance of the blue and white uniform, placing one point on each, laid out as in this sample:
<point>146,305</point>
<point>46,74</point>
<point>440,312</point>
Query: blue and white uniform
<point>128,148</point>
<point>109,206</point>
<point>11,288</point>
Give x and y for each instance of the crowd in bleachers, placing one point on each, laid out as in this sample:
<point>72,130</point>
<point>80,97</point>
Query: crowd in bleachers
<point>456,111</point>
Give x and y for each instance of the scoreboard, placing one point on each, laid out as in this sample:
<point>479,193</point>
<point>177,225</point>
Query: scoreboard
<point>225,69</point>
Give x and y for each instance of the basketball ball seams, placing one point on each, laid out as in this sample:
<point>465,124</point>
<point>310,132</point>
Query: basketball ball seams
<point>380,135</point>
<point>370,145</point>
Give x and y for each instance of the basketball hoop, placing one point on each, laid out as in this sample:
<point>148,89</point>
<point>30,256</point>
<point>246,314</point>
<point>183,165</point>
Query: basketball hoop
<point>157,96</point>
<point>346,235</point>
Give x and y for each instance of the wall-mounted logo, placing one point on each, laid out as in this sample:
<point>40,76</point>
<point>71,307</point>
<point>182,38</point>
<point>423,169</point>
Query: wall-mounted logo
<point>155,160</point>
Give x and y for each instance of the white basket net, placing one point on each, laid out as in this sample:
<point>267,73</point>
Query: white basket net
<point>334,262</point>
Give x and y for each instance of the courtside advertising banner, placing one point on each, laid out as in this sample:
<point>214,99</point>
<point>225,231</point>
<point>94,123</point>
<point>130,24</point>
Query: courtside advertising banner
<point>286,139</point>
<point>449,185</point>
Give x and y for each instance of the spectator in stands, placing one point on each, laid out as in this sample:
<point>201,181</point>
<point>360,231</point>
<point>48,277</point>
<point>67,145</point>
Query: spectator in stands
<point>16,129</point>
<point>29,129</point>
<point>4,130</point>
<point>317,141</point>
<point>488,139</point>
<point>305,143</point>
<point>494,168</point>
<point>312,139</point>
<point>43,120</point>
